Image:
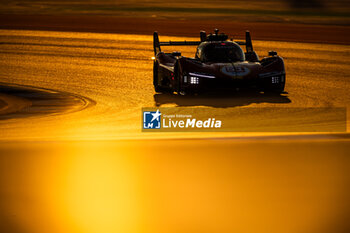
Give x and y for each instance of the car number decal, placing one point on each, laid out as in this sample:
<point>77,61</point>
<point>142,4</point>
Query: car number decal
<point>235,71</point>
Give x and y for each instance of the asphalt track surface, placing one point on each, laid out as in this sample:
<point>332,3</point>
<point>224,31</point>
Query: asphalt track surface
<point>85,179</point>
<point>115,72</point>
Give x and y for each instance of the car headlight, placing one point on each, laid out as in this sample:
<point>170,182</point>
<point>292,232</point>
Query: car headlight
<point>194,80</point>
<point>275,79</point>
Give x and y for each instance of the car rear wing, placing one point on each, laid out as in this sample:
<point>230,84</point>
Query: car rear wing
<point>248,42</point>
<point>203,37</point>
<point>157,44</point>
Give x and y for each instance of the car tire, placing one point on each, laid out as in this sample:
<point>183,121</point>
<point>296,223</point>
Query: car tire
<point>178,78</point>
<point>157,87</point>
<point>275,90</point>
<point>279,89</point>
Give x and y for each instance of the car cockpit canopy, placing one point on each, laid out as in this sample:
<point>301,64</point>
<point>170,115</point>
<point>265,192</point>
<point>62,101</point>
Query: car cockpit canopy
<point>220,51</point>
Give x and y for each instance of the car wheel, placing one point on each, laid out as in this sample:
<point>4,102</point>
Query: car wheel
<point>178,77</point>
<point>279,89</point>
<point>274,88</point>
<point>156,85</point>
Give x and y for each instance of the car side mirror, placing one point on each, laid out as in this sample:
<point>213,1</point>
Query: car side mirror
<point>272,53</point>
<point>176,54</point>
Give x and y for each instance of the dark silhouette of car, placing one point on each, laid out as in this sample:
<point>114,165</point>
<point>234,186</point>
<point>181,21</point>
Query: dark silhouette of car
<point>219,64</point>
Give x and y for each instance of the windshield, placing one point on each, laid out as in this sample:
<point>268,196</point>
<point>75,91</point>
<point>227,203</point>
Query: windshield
<point>222,52</point>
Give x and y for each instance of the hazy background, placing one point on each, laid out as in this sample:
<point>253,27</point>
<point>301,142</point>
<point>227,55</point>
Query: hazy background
<point>334,12</point>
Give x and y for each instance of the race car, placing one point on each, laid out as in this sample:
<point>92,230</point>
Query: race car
<point>218,64</point>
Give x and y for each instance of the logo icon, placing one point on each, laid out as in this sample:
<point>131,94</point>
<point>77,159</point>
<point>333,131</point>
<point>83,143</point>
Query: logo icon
<point>151,120</point>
